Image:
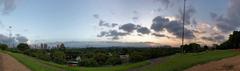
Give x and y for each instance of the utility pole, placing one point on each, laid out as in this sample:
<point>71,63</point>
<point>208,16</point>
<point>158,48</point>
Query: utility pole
<point>183,20</point>
<point>10,36</point>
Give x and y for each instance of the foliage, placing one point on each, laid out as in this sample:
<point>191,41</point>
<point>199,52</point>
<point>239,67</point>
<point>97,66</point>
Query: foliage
<point>40,65</point>
<point>192,47</point>
<point>58,56</point>
<point>232,42</point>
<point>3,46</point>
<point>23,46</point>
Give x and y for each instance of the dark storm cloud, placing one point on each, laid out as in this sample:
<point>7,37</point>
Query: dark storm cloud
<point>231,20</point>
<point>159,23</point>
<point>143,30</point>
<point>114,34</point>
<point>174,27</point>
<point>130,27</point>
<point>158,35</point>
<point>105,24</point>
<point>190,11</point>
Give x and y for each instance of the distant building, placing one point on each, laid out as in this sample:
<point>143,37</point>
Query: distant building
<point>124,58</point>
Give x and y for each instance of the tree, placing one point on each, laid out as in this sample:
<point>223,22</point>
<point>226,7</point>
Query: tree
<point>192,47</point>
<point>232,42</point>
<point>205,47</point>
<point>62,47</point>
<point>3,47</point>
<point>23,47</point>
<point>58,56</point>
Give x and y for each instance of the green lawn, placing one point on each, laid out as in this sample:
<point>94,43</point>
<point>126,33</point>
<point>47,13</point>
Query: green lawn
<point>39,65</point>
<point>176,62</point>
<point>179,62</point>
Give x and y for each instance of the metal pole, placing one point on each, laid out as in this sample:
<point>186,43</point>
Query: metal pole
<point>183,23</point>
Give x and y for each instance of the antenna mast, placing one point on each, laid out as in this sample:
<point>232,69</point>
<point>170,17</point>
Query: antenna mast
<point>10,35</point>
<point>184,5</point>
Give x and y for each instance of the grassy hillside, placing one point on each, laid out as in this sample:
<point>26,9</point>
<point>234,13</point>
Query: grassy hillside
<point>180,62</point>
<point>176,62</point>
<point>39,65</point>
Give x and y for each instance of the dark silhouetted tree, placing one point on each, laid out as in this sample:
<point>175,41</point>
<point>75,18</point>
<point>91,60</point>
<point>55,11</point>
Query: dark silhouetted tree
<point>3,47</point>
<point>23,46</point>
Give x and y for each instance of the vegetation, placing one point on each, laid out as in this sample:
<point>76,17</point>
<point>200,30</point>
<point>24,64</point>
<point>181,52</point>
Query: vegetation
<point>114,56</point>
<point>22,46</point>
<point>179,62</point>
<point>3,47</point>
<point>232,43</point>
<point>40,65</point>
<point>192,47</point>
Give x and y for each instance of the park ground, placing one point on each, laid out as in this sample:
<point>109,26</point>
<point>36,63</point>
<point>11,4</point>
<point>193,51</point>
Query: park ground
<point>218,60</point>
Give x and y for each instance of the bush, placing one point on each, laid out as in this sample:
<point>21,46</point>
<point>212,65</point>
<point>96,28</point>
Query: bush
<point>3,47</point>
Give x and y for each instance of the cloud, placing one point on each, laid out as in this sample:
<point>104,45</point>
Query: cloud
<point>143,30</point>
<point>13,40</point>
<point>174,27</point>
<point>4,39</point>
<point>96,16</point>
<point>217,38</point>
<point>7,6</point>
<point>164,2</point>
<point>231,20</point>
<point>105,24</point>
<point>21,39</point>
<point>213,15</point>
<point>114,34</point>
<point>159,23</point>
<point>158,35</point>
<point>129,27</point>
<point>189,12</point>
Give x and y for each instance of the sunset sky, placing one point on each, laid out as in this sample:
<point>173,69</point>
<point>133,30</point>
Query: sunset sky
<point>157,21</point>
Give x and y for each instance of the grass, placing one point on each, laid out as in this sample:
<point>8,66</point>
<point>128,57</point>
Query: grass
<point>40,65</point>
<point>176,62</point>
<point>179,62</point>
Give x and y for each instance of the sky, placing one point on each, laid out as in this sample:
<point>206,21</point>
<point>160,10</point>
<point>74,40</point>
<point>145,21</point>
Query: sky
<point>156,21</point>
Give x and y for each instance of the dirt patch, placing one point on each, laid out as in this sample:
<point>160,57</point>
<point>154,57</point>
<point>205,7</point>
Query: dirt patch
<point>153,62</point>
<point>8,63</point>
<point>228,64</point>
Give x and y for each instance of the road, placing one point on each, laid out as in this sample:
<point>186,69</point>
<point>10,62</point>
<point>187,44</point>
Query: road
<point>8,63</point>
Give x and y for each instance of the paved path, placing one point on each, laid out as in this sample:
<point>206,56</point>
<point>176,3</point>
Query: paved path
<point>228,64</point>
<point>8,63</point>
